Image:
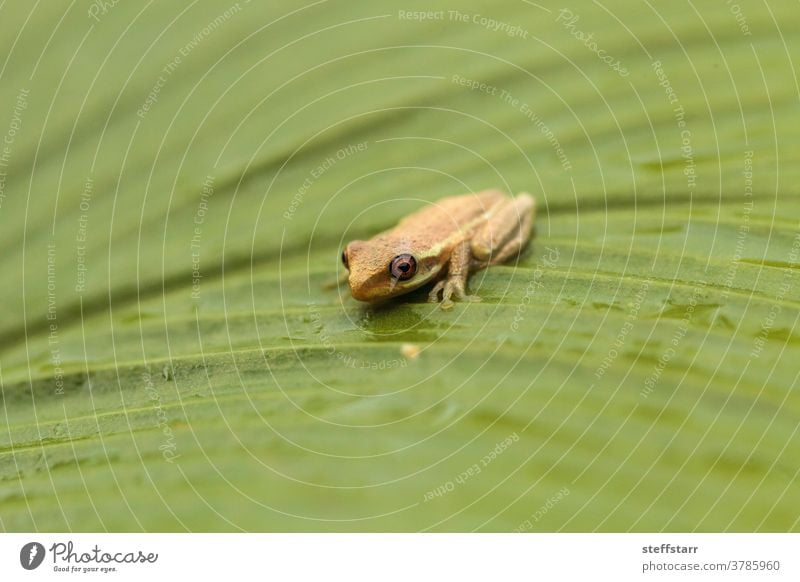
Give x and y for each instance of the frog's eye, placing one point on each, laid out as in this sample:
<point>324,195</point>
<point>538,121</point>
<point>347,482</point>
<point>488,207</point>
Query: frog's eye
<point>403,267</point>
<point>345,262</point>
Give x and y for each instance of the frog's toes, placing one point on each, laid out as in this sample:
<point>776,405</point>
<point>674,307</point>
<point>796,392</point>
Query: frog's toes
<point>433,296</point>
<point>457,288</point>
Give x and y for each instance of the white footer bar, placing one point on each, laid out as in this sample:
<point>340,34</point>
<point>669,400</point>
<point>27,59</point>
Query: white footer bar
<point>401,557</point>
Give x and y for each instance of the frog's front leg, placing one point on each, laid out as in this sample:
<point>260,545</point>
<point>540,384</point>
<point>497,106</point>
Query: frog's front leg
<point>456,281</point>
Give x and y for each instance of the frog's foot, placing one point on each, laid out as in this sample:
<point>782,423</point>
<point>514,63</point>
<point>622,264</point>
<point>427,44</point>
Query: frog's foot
<point>433,296</point>
<point>448,289</point>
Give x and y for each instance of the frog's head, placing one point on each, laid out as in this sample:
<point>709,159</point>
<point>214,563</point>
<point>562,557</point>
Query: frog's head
<point>383,267</point>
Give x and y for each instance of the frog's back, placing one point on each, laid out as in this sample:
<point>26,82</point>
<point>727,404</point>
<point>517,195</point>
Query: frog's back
<point>452,212</point>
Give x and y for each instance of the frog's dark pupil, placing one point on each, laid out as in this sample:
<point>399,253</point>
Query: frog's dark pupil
<point>403,267</point>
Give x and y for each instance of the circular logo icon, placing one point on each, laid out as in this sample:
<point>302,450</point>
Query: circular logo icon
<point>31,555</point>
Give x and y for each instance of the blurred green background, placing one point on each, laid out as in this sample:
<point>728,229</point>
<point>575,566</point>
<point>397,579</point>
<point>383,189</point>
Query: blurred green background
<point>177,181</point>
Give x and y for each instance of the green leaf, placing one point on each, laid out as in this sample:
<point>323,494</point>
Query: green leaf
<point>177,183</point>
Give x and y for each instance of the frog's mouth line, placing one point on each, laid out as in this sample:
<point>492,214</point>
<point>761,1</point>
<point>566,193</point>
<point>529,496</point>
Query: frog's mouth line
<point>380,286</point>
<point>397,287</point>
